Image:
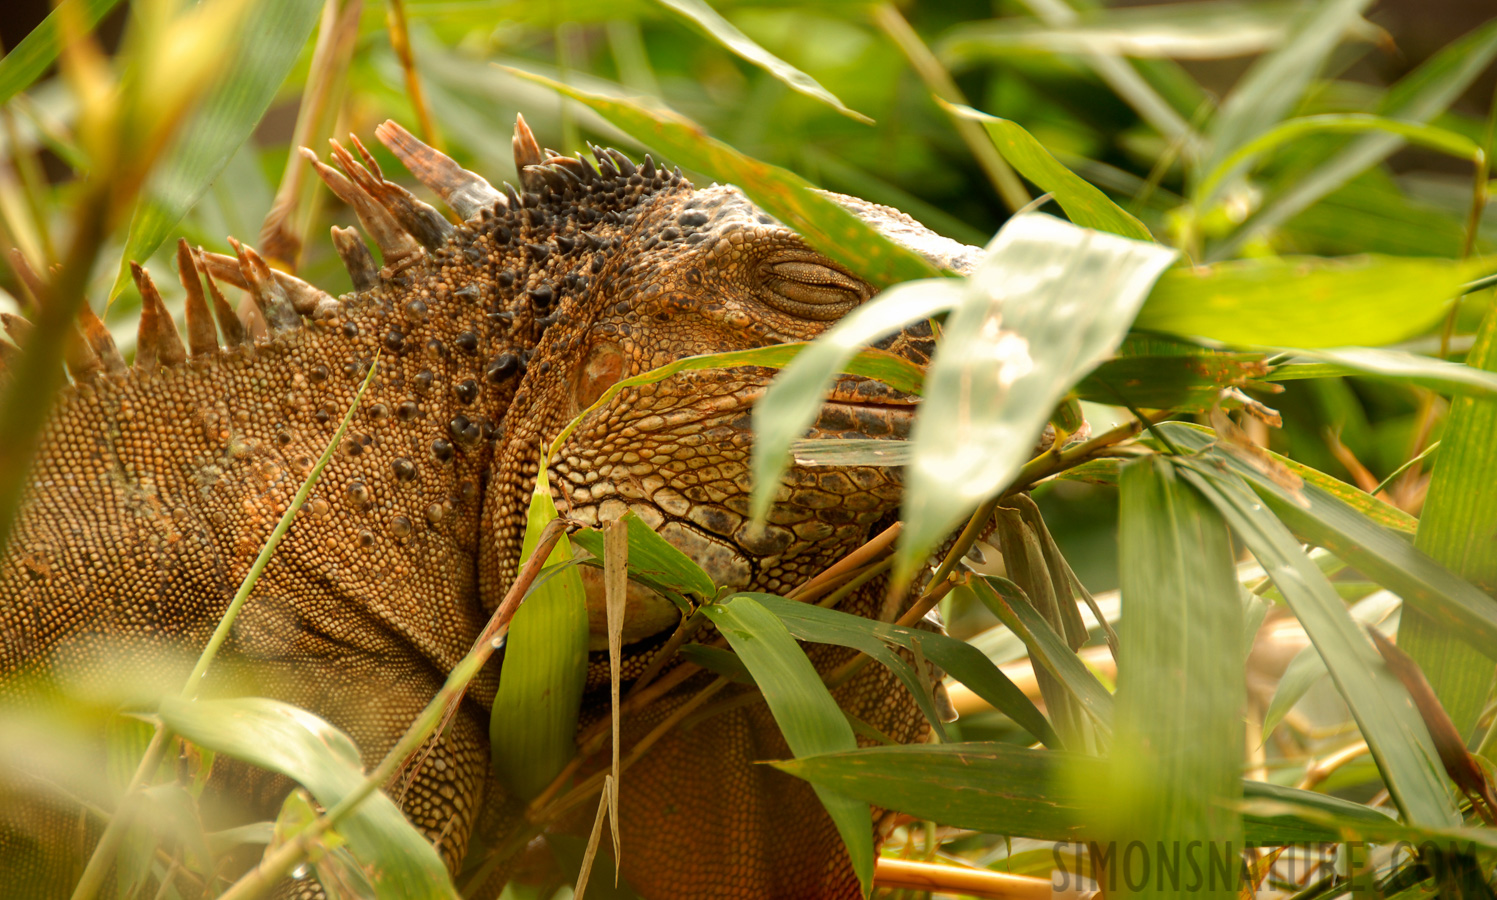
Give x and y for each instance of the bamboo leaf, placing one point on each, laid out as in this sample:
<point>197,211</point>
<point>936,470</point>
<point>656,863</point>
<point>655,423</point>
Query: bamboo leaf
<point>533,725</point>
<point>1043,794</point>
<point>1047,304</point>
<point>1456,529</point>
<point>269,43</point>
<point>1440,375</point>
<point>1307,302</point>
<point>1183,381</point>
<point>803,708</point>
<point>730,37</point>
<point>281,738</point>
<point>1178,739</point>
<point>959,659</point>
<point>35,53</point>
<point>783,194</point>
<point>653,561</point>
<point>1387,720</point>
<point>1084,204</point>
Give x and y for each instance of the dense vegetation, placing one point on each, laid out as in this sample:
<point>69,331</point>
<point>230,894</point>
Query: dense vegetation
<point>1282,344</point>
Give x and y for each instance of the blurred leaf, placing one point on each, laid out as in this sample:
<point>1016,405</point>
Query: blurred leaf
<point>281,738</point>
<point>268,44</point>
<point>1048,649</point>
<point>1084,204</point>
<point>794,398</point>
<point>804,709</point>
<point>1449,142</point>
<point>1394,733</point>
<point>533,726</point>
<point>1177,749</point>
<point>653,561</point>
<point>1048,302</point>
<point>1456,528</point>
<point>35,53</point>
<point>851,452</point>
<point>1307,302</point>
<point>1409,368</point>
<point>1185,382</point>
<point>1418,97</point>
<point>1044,794</point>
<point>1307,667</point>
<point>730,37</point>
<point>1361,541</point>
<point>783,194</point>
<point>1268,91</point>
<point>959,659</point>
<point>1214,29</point>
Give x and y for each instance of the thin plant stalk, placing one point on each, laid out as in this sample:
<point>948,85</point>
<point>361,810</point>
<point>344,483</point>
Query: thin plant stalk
<point>400,42</point>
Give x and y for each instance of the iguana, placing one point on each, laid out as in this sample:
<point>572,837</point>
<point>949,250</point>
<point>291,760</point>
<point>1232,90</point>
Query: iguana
<point>158,482</point>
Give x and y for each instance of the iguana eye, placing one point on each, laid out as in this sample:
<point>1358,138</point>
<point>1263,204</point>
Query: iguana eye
<point>811,290</point>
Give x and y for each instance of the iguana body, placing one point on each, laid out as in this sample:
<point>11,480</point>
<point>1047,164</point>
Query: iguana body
<point>157,485</point>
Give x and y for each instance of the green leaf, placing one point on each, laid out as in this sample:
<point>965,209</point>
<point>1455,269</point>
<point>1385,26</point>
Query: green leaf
<point>269,43</point>
<point>1084,204</point>
<point>824,223</point>
<point>1188,382</point>
<point>1203,30</point>
<point>1457,145</point>
<point>794,398</point>
<point>1418,97</point>
<point>804,709</point>
<point>653,561</point>
<point>1307,667</point>
<point>29,59</point>
<point>1269,90</point>
<point>1043,794</point>
<point>1307,302</point>
<point>1408,368</point>
<point>1387,720</point>
<point>1048,303</point>
<point>730,37</point>
<point>281,738</point>
<point>1456,528</point>
<point>1048,649</point>
<point>533,726</point>
<point>1178,733</point>
<point>852,452</point>
<point>1358,539</point>
<point>959,659</point>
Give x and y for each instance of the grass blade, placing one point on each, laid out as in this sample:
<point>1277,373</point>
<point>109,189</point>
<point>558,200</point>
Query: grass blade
<point>36,52</point>
<point>652,559</point>
<point>730,37</point>
<point>1307,302</point>
<point>534,722</point>
<point>1396,736</point>
<point>1178,739</point>
<point>281,738</point>
<point>781,193</point>
<point>802,706</point>
<point>1456,529</point>
<point>1047,304</point>
<point>269,44</point>
<point>1084,204</point>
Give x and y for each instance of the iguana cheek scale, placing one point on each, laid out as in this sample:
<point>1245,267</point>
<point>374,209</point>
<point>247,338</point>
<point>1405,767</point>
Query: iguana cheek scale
<point>157,484</point>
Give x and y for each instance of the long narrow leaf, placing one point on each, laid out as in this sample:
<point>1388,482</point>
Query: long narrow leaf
<point>35,52</point>
<point>1047,304</point>
<point>1409,368</point>
<point>268,46</point>
<point>804,709</point>
<point>1394,733</point>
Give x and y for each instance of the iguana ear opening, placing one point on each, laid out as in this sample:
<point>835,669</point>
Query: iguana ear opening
<point>601,370</point>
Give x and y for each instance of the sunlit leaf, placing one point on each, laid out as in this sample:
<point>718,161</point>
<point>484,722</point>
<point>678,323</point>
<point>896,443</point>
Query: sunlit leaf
<point>786,196</point>
<point>729,36</point>
<point>534,723</point>
<point>1410,368</point>
<point>35,53</point>
<point>1048,303</point>
<point>1084,204</point>
<point>1307,302</point>
<point>281,738</point>
<point>653,560</point>
<point>802,706</point>
<point>267,46</point>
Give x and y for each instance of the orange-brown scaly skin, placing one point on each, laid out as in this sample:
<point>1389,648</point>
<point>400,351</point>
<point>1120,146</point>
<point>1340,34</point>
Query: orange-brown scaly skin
<point>155,491</point>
